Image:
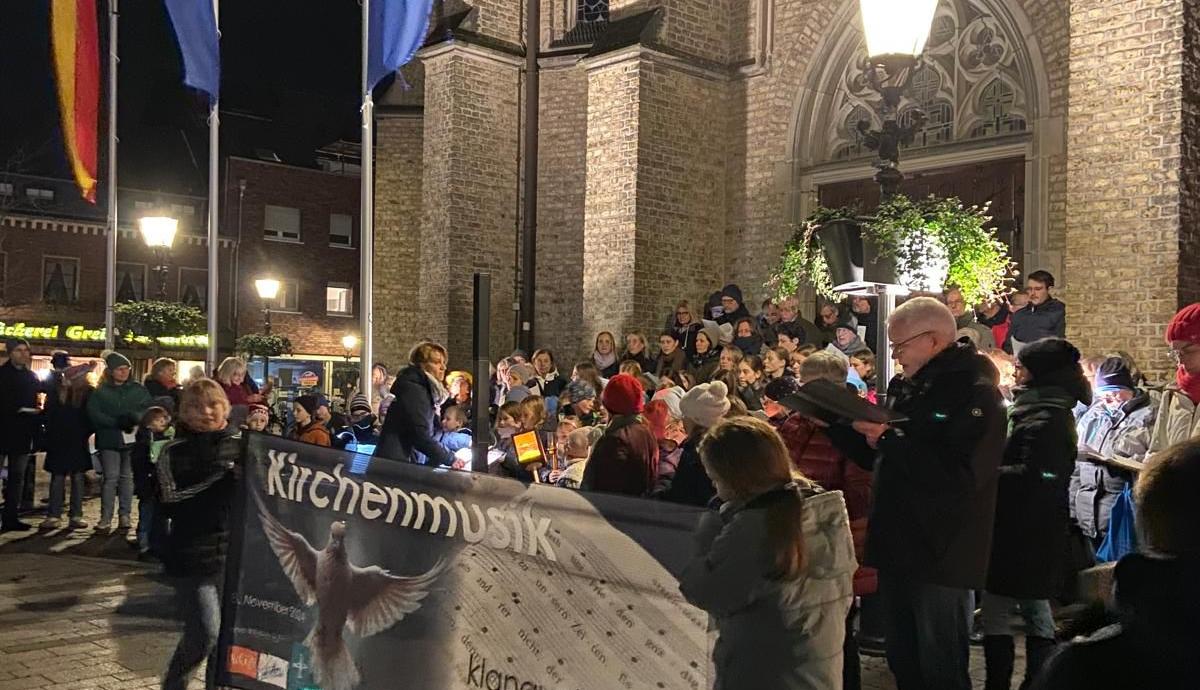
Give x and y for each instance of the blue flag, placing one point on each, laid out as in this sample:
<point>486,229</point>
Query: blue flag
<point>397,30</point>
<point>195,24</point>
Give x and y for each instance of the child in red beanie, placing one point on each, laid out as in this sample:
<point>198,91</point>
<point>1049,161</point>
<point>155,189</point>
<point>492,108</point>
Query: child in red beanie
<point>625,459</point>
<point>1179,410</point>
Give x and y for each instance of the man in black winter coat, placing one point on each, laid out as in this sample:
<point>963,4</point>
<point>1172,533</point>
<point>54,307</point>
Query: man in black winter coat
<point>731,302</point>
<point>410,430</point>
<point>934,494</point>
<point>19,420</point>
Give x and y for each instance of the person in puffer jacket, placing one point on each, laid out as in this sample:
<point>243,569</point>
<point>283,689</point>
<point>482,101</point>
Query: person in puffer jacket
<point>1116,425</point>
<point>773,567</point>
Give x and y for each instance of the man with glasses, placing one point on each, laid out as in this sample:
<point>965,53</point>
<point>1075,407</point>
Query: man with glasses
<point>1179,410</point>
<point>934,494</point>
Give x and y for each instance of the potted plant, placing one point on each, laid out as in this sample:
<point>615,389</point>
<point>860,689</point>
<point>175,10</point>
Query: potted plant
<point>148,321</point>
<point>260,345</point>
<point>922,245</point>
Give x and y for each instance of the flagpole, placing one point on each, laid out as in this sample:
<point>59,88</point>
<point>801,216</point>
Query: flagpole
<point>110,254</point>
<point>367,211</point>
<point>214,127</point>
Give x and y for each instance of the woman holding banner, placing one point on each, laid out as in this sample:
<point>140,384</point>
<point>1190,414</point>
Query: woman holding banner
<point>197,474</point>
<point>774,567</point>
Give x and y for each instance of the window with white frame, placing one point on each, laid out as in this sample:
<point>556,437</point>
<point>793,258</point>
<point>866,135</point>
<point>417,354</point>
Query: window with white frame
<point>183,210</point>
<point>143,206</point>
<point>193,287</point>
<point>39,194</point>
<point>60,279</point>
<point>288,298</point>
<point>281,223</point>
<point>339,299</point>
<point>131,282</point>
<point>341,230</point>
<point>6,189</point>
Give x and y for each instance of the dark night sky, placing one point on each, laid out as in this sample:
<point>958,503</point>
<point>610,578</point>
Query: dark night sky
<point>295,62</point>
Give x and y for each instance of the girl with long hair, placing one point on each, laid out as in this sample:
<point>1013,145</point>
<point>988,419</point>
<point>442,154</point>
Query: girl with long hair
<point>774,565</point>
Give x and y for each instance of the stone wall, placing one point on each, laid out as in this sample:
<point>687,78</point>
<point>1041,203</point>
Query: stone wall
<point>397,266</point>
<point>1123,192</point>
<point>469,192</point>
<point>562,180</point>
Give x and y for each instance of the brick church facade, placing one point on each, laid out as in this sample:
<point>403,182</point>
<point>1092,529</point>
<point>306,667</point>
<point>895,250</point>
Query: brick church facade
<point>680,139</point>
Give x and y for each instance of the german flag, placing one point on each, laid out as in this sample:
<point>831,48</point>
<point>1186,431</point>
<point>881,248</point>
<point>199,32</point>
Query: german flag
<point>76,42</point>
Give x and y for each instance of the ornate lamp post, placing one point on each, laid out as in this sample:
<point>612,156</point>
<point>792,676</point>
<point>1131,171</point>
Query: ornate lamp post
<point>896,32</point>
<point>349,342</point>
<point>268,289</point>
<point>158,232</point>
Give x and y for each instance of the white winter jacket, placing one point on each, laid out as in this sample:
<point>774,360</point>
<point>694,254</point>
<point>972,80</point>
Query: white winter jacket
<point>772,634</point>
<point>1178,420</point>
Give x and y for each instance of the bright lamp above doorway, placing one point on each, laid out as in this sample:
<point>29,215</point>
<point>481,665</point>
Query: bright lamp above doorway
<point>896,27</point>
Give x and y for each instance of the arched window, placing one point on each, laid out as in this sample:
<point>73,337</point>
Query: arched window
<point>592,11</point>
<point>970,84</point>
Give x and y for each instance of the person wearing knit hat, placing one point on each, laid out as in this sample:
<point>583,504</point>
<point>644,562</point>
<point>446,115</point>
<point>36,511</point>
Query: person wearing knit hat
<point>625,459</point>
<point>115,408</point>
<point>579,400</point>
<point>1117,425</point>
<point>1030,525</point>
<point>11,344</point>
<point>60,359</point>
<point>702,407</point>
<point>623,395</point>
<point>708,353</point>
<point>360,404</point>
<point>257,417</point>
<point>705,404</point>
<point>307,428</point>
<point>671,396</point>
<point>1178,416</point>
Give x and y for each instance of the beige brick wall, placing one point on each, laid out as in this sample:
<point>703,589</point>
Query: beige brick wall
<point>698,28</point>
<point>1123,190</point>
<point>562,179</point>
<point>469,194</point>
<point>610,214</point>
<point>397,313</point>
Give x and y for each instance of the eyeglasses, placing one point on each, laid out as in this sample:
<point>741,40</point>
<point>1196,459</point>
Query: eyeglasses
<point>1178,355</point>
<point>896,347</point>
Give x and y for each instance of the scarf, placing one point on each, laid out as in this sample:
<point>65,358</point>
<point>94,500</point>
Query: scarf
<point>1189,384</point>
<point>440,394</point>
<point>604,361</point>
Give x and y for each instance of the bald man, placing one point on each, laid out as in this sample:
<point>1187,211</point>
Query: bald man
<point>930,530</point>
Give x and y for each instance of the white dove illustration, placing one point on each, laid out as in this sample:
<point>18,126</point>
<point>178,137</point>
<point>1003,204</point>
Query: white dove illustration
<point>366,600</point>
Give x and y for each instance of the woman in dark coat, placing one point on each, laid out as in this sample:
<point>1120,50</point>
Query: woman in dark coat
<point>410,430</point>
<point>67,453</point>
<point>1029,538</point>
<point>162,383</point>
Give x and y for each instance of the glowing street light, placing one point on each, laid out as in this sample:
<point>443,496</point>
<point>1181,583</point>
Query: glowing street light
<point>158,232</point>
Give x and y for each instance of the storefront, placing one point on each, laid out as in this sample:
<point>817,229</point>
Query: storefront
<point>84,343</point>
<point>299,374</point>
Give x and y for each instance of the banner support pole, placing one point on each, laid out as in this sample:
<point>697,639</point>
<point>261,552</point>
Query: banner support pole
<point>367,212</point>
<point>481,427</point>
<point>110,240</point>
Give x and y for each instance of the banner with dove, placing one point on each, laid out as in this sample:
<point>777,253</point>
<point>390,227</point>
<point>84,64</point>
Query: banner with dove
<point>350,572</point>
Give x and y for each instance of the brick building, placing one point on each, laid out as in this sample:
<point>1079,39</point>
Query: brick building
<point>298,225</point>
<point>680,138</point>
<point>52,265</point>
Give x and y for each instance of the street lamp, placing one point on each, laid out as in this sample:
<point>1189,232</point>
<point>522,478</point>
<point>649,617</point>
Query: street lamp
<point>158,232</point>
<point>268,289</point>
<point>896,32</point>
<point>349,342</point>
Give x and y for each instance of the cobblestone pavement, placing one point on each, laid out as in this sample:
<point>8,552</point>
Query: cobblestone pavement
<point>78,612</point>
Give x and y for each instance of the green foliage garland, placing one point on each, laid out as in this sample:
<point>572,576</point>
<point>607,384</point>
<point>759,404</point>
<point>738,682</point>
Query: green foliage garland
<point>260,345</point>
<point>155,319</point>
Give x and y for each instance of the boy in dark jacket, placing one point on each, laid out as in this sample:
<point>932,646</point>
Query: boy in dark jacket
<point>1029,539</point>
<point>197,476</point>
<point>153,434</point>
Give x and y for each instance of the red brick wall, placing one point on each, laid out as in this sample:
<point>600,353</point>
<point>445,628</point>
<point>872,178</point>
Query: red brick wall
<point>312,261</point>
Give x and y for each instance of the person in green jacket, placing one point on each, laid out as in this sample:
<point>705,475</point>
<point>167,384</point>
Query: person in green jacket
<point>114,410</point>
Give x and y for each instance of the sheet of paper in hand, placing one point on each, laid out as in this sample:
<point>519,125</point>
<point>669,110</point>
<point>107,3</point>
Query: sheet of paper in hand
<point>837,404</point>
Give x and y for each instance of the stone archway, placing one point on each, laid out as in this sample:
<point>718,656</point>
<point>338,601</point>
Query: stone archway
<point>985,89</point>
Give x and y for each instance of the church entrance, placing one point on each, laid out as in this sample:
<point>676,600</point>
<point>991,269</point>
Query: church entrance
<point>1000,183</point>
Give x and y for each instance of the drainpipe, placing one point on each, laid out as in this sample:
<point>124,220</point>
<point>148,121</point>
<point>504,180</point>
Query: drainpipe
<point>530,155</point>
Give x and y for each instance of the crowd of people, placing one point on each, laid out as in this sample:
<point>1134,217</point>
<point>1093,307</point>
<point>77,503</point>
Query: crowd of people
<point>1013,465</point>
